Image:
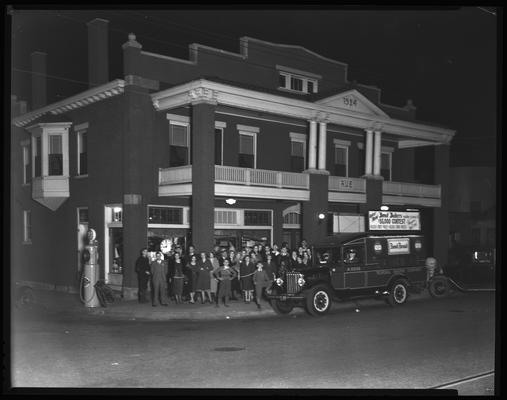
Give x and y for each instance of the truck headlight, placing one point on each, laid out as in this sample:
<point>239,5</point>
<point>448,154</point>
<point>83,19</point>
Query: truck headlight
<point>301,281</point>
<point>279,281</point>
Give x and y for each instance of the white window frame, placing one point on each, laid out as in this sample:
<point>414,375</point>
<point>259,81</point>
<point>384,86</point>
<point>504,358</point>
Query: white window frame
<point>185,221</point>
<point>250,131</point>
<point>303,78</point>
<point>221,129</point>
<point>26,156</point>
<point>79,137</point>
<point>187,126</point>
<point>342,145</point>
<point>301,138</point>
<point>44,131</point>
<point>389,152</point>
<point>27,226</point>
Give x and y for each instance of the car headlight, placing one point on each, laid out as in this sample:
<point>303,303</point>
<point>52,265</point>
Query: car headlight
<point>279,281</point>
<point>301,281</point>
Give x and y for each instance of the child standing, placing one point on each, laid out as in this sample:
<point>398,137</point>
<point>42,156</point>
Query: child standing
<point>261,280</point>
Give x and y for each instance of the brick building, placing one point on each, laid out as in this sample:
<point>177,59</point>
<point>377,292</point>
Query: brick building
<point>218,148</point>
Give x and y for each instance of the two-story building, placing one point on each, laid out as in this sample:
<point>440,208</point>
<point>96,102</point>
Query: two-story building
<point>269,144</point>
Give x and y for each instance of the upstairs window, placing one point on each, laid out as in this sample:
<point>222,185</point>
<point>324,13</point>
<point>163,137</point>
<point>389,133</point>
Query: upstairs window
<point>341,160</point>
<point>297,152</point>
<point>179,149</point>
<point>385,166</point>
<point>37,157</point>
<point>296,80</point>
<point>55,156</point>
<point>246,156</point>
<point>82,151</point>
<point>219,135</point>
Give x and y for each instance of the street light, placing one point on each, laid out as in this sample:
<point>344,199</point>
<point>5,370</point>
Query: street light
<point>230,201</point>
<point>322,216</point>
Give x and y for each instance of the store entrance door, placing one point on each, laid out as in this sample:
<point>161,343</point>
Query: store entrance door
<point>115,256</point>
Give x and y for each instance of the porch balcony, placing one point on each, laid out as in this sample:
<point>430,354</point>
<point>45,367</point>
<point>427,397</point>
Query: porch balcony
<point>50,191</point>
<point>238,182</point>
<point>404,193</point>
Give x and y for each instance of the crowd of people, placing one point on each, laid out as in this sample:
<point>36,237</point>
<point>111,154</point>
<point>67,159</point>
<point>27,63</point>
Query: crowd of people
<point>215,277</point>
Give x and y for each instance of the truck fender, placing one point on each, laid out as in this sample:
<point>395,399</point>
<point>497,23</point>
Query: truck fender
<point>394,278</point>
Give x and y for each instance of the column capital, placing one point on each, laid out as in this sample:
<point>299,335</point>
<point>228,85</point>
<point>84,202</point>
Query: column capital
<point>321,116</point>
<point>203,95</point>
<point>375,127</point>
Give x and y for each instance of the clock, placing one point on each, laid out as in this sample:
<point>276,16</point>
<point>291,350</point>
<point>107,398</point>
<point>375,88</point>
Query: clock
<point>165,246</point>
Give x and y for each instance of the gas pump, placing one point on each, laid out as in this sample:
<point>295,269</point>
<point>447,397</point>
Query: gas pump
<point>90,274</point>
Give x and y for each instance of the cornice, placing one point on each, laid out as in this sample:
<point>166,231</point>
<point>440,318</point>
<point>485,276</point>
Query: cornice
<point>82,99</point>
<point>265,102</point>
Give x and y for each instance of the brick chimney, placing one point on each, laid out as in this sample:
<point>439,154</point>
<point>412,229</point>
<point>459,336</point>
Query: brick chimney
<point>39,81</point>
<point>98,52</point>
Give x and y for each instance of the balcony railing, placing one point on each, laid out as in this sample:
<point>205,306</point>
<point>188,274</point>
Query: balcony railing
<point>411,190</point>
<point>344,184</point>
<point>238,176</point>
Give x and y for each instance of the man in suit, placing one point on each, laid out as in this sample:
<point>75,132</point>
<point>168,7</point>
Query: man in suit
<point>158,270</point>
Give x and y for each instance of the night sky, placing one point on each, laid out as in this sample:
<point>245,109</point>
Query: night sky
<point>445,60</point>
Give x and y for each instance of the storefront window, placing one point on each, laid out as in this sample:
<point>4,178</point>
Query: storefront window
<point>178,237</point>
<point>257,218</point>
<point>165,215</point>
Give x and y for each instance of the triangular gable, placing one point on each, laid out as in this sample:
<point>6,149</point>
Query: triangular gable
<point>352,100</point>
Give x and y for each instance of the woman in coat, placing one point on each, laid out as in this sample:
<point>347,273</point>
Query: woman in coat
<point>246,270</point>
<point>204,267</point>
<point>178,278</point>
<point>192,276</point>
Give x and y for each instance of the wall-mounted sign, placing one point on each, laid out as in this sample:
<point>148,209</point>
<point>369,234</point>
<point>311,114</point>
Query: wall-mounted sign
<point>398,246</point>
<point>394,220</point>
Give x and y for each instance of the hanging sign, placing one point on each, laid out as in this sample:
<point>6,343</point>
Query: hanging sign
<point>394,220</point>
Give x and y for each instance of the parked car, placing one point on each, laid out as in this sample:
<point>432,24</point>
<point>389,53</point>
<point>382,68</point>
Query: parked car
<point>469,264</point>
<point>349,266</point>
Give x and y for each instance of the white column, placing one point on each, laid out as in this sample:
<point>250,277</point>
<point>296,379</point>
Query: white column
<point>377,153</point>
<point>312,151</point>
<point>322,145</point>
<point>368,152</point>
<point>65,153</point>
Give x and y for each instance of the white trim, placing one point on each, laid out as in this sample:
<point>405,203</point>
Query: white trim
<point>247,128</point>
<point>80,127</point>
<point>340,142</point>
<point>261,192</point>
<point>254,135</point>
<point>230,95</point>
<point>407,144</point>
<point>27,238</point>
<point>304,74</point>
<point>26,157</point>
<point>304,83</point>
<point>194,47</point>
<point>220,124</point>
<point>182,189</point>
<point>79,138</point>
<point>295,208</point>
<point>413,201</point>
<point>342,197</point>
<point>373,109</point>
<point>178,118</point>
<point>298,136</point>
<point>260,119</point>
<point>82,99</point>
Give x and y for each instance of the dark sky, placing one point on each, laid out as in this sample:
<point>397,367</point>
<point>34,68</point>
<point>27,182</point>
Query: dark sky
<point>445,60</point>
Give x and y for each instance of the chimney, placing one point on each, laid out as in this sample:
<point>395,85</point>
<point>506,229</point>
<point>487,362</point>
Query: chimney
<point>98,52</point>
<point>39,81</point>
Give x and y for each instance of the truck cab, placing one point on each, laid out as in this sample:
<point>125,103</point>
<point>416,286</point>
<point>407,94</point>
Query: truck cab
<point>348,266</point>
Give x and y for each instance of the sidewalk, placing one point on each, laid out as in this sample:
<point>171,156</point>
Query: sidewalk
<point>60,302</point>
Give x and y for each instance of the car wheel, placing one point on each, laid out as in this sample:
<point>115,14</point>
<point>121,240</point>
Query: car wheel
<point>281,307</point>
<point>398,293</point>
<point>318,300</point>
<point>438,287</point>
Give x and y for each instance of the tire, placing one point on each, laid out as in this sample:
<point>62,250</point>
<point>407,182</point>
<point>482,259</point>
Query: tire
<point>318,300</point>
<point>398,293</point>
<point>281,307</point>
<point>439,287</point>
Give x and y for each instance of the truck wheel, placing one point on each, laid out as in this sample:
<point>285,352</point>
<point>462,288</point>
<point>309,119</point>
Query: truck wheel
<point>438,287</point>
<point>318,300</point>
<point>398,292</point>
<point>281,307</point>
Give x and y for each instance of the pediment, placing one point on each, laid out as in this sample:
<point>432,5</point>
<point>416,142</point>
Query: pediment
<point>353,101</point>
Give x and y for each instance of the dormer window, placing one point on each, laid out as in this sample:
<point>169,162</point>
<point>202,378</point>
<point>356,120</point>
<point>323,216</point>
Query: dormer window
<point>297,81</point>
